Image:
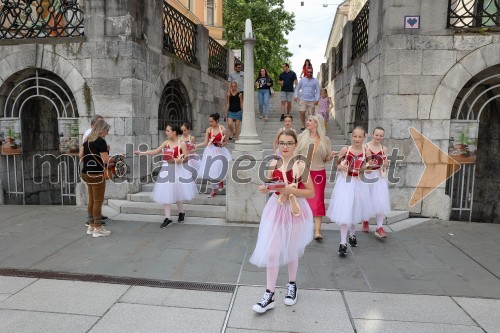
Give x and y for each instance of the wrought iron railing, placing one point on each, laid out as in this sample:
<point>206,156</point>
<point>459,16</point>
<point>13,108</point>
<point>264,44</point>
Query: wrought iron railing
<point>337,62</point>
<point>179,34</point>
<point>217,58</point>
<point>21,19</point>
<point>473,13</point>
<point>360,31</point>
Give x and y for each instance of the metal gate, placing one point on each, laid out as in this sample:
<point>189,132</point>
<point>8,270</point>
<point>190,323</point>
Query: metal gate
<point>174,106</point>
<point>47,86</point>
<point>361,112</point>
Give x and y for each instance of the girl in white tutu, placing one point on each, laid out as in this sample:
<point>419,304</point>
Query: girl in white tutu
<point>377,179</point>
<point>286,226</point>
<point>287,122</point>
<point>174,183</point>
<point>214,163</point>
<point>190,141</point>
<point>351,201</point>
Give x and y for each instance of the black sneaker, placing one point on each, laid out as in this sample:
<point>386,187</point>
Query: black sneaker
<point>291,294</point>
<point>343,250</point>
<point>181,217</point>
<point>353,241</point>
<point>282,117</point>
<point>266,303</point>
<point>302,129</point>
<point>166,222</point>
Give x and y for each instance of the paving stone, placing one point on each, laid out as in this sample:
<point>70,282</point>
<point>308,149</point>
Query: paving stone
<point>178,298</point>
<point>416,308</point>
<point>13,321</point>
<point>139,318</point>
<point>11,285</point>
<point>483,311</point>
<point>375,326</point>
<point>314,316</point>
<point>3,297</point>
<point>72,297</point>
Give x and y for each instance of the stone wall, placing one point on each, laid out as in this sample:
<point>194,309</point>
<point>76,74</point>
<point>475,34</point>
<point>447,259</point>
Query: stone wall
<point>119,71</point>
<point>412,78</point>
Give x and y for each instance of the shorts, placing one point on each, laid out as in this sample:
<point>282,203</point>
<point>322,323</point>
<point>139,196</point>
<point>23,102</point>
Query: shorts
<point>287,96</point>
<point>238,115</point>
<point>306,106</point>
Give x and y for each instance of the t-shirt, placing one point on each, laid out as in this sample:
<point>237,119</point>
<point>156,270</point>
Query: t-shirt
<point>97,147</point>
<point>263,81</point>
<point>238,77</point>
<point>86,134</point>
<point>288,79</point>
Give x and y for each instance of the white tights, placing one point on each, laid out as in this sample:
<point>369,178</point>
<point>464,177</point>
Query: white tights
<point>168,210</point>
<point>272,274</point>
<point>343,232</point>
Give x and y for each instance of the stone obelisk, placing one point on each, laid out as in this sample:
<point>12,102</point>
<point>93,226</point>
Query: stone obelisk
<point>244,202</point>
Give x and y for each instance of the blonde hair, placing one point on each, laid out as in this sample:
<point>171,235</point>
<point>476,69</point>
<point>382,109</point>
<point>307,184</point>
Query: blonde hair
<point>99,127</point>
<point>303,145</point>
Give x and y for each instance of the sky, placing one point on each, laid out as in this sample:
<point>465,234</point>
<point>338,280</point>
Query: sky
<point>313,23</point>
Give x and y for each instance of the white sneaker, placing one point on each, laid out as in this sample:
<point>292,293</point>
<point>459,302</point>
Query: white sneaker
<point>101,232</point>
<point>291,294</point>
<point>90,230</point>
<point>266,303</point>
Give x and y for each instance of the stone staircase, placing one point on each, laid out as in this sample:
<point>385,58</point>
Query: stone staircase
<point>202,206</point>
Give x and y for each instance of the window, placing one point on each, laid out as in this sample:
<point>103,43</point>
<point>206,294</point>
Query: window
<point>190,5</point>
<point>210,12</point>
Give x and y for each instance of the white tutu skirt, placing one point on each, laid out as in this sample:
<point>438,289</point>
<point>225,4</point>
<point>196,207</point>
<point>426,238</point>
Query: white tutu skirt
<point>194,164</point>
<point>379,191</point>
<point>350,202</point>
<point>282,236</point>
<point>214,163</point>
<point>174,183</point>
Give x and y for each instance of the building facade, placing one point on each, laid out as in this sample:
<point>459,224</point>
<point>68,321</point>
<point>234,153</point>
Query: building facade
<point>205,12</point>
<point>140,64</point>
<point>433,66</point>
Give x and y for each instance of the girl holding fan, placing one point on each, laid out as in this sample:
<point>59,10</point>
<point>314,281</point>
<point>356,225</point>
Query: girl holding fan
<point>377,179</point>
<point>350,202</point>
<point>285,227</point>
<point>213,164</point>
<point>174,183</point>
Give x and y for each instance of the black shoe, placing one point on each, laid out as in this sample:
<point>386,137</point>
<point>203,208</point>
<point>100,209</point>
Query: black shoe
<point>282,117</point>
<point>291,294</point>
<point>104,218</point>
<point>181,217</point>
<point>266,303</point>
<point>343,250</point>
<point>353,241</point>
<point>302,129</point>
<point>166,222</point>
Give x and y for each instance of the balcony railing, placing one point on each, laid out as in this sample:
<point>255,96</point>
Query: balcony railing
<point>217,58</point>
<point>337,62</point>
<point>473,13</point>
<point>360,31</point>
<point>40,19</point>
<point>179,34</point>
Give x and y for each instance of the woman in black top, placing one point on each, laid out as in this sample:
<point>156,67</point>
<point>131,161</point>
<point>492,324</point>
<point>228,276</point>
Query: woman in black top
<point>234,110</point>
<point>95,158</point>
<point>264,84</point>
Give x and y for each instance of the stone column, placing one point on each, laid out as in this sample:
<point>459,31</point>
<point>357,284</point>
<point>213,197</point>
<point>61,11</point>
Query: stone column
<point>202,37</point>
<point>94,20</point>
<point>244,202</point>
<point>347,51</point>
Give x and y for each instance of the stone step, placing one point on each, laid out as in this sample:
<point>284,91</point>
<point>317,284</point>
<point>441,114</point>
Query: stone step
<point>149,208</point>
<point>200,199</point>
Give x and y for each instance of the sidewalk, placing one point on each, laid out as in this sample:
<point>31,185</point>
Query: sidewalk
<point>432,277</point>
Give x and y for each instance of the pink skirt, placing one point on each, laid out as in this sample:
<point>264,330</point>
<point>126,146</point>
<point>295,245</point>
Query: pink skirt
<point>317,203</point>
<point>283,237</point>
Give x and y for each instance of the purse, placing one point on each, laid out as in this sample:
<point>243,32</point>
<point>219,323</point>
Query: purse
<point>109,172</point>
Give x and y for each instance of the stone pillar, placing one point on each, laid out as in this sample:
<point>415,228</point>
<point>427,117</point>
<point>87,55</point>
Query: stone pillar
<point>347,52</point>
<point>202,48</point>
<point>94,19</point>
<point>244,202</point>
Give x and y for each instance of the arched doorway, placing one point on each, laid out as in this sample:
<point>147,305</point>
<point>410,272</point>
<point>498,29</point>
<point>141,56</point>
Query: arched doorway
<point>174,108</point>
<point>360,114</point>
<point>39,133</point>
<point>475,144</point>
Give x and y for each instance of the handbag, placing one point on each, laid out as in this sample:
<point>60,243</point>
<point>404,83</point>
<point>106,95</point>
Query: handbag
<point>109,172</point>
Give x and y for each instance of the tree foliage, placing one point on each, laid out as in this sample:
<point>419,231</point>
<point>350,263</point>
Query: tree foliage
<point>270,22</point>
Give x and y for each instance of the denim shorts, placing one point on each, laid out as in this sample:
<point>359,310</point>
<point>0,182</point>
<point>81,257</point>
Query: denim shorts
<point>286,96</point>
<point>238,115</point>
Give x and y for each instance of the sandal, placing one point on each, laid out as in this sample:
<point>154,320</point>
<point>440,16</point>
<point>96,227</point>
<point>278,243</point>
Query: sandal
<point>318,237</point>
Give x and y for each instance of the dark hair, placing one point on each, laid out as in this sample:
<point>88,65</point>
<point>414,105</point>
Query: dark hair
<point>286,64</point>
<point>236,64</point>
<point>289,133</point>
<point>361,128</point>
<point>289,116</point>
<point>307,62</point>
<point>265,70</point>
<point>378,128</point>
<point>176,129</point>
<point>186,125</point>
<point>214,116</point>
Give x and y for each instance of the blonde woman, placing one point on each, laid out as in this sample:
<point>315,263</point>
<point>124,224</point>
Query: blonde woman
<point>316,147</point>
